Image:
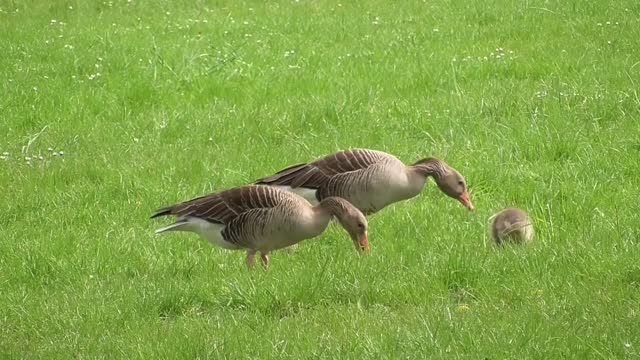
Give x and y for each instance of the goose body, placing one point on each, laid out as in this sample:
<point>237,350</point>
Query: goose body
<point>512,225</point>
<point>369,179</point>
<point>262,219</point>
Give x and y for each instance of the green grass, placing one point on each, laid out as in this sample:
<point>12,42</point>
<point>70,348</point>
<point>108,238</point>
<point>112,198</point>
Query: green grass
<point>194,97</point>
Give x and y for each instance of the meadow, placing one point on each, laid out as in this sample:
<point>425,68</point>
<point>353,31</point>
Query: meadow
<point>110,110</point>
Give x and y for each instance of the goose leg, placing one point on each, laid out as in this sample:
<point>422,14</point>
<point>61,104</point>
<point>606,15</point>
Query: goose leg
<point>251,258</point>
<point>265,260</point>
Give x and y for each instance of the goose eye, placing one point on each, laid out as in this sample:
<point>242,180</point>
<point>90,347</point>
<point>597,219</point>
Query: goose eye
<point>360,225</point>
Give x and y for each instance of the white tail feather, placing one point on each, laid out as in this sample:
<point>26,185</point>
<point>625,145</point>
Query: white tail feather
<point>173,227</point>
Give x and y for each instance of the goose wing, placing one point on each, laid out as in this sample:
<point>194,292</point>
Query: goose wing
<point>225,206</point>
<point>314,175</point>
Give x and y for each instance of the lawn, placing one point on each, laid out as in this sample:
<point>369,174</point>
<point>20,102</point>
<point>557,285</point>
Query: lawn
<point>110,110</point>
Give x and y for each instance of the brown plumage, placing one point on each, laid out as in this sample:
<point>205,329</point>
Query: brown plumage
<point>512,225</point>
<point>262,218</point>
<point>369,179</point>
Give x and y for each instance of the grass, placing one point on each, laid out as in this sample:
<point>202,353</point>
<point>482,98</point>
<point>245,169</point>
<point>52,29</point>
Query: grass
<point>154,102</point>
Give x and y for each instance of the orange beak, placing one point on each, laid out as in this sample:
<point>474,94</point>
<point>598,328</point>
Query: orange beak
<point>466,201</point>
<point>363,242</point>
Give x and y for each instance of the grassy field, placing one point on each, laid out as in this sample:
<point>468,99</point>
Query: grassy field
<point>112,109</point>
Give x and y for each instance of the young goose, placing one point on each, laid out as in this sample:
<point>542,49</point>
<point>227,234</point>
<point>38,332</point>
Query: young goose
<point>262,218</point>
<point>512,225</point>
<point>368,179</point>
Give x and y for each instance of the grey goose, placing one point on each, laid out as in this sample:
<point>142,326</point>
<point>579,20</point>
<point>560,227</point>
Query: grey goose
<point>369,179</point>
<point>263,219</point>
<point>512,225</point>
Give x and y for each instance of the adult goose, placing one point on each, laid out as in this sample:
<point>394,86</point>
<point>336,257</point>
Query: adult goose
<point>368,179</point>
<point>263,219</point>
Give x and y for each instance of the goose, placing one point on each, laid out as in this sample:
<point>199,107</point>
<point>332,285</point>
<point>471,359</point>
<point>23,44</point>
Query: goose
<point>263,219</point>
<point>369,179</point>
<point>512,225</point>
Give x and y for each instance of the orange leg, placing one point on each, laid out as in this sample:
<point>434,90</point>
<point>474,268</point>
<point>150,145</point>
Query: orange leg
<point>251,258</point>
<point>265,260</point>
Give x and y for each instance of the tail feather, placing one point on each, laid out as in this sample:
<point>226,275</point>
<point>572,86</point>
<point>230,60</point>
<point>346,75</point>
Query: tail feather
<point>282,177</point>
<point>162,212</point>
<point>173,227</point>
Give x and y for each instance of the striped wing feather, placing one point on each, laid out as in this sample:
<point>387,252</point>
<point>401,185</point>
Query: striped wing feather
<point>225,206</point>
<point>316,174</point>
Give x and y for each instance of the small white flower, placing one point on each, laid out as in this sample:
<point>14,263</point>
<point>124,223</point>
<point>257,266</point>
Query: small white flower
<point>53,21</point>
<point>436,30</point>
<point>608,22</point>
<point>599,24</point>
<point>61,153</point>
<point>27,158</point>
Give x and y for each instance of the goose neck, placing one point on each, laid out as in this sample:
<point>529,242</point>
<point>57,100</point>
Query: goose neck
<point>429,167</point>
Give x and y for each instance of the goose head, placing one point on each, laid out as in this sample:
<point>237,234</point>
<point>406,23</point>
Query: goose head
<point>453,185</point>
<point>351,219</point>
<point>448,179</point>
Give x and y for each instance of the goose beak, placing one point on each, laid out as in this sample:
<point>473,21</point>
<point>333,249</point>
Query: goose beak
<point>363,243</point>
<point>466,201</point>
